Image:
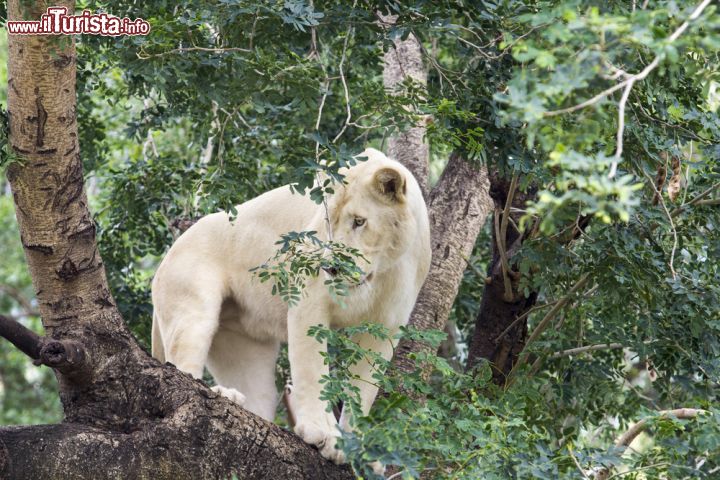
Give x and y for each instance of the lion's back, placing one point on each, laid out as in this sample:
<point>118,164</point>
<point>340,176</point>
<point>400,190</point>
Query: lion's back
<point>225,248</point>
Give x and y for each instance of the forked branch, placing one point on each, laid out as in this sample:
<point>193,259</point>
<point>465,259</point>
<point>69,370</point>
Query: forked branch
<point>631,79</point>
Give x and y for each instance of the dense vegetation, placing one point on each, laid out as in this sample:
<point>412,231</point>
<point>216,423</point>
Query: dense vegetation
<point>224,100</point>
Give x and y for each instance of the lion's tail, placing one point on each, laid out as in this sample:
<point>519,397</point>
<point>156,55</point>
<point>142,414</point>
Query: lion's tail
<point>158,350</point>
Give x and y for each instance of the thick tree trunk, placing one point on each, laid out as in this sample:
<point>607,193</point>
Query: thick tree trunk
<point>126,415</point>
<point>458,208</point>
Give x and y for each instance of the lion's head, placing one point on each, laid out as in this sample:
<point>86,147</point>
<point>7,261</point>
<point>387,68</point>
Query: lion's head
<point>374,212</point>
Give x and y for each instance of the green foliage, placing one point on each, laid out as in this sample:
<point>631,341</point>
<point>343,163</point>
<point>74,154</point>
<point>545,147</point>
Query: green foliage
<point>461,426</point>
<point>303,255</point>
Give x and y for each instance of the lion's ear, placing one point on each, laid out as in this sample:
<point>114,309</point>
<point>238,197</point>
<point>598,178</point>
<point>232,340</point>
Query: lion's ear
<point>390,184</point>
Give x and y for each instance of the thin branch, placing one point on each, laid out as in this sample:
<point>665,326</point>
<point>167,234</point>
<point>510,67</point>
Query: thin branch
<point>326,87</point>
<point>521,318</point>
<point>627,438</point>
<point>680,413</point>
<point>649,116</point>
<point>695,201</point>
<point>252,30</point>
<point>481,49</point>
<point>577,464</point>
<point>508,204</point>
<point>143,56</point>
<point>508,295</point>
<point>586,349</point>
<point>501,238</point>
<point>638,76</point>
<point>548,317</point>
<point>344,81</point>
<point>672,224</point>
<point>621,128</point>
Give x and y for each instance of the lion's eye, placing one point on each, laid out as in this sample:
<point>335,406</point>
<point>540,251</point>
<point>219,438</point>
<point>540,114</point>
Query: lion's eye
<point>358,222</point>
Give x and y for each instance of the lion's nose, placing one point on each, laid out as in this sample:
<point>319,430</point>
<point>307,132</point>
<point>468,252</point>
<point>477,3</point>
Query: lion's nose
<point>332,271</point>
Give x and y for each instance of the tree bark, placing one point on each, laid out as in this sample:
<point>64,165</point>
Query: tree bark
<point>126,416</point>
<point>458,208</point>
<point>404,60</point>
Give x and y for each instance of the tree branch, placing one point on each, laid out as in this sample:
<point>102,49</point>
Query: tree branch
<point>658,193</point>
<point>695,201</point>
<point>504,264</point>
<point>23,338</point>
<point>501,235</point>
<point>457,209</point>
<point>627,438</point>
<point>520,318</point>
<point>176,448</point>
<point>144,56</point>
<point>66,356</point>
<point>638,76</point>
<point>344,80</point>
<point>548,317</point>
<point>586,349</point>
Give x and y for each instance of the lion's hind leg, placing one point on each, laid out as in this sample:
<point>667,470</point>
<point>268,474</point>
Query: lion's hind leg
<point>188,330</point>
<point>246,365</point>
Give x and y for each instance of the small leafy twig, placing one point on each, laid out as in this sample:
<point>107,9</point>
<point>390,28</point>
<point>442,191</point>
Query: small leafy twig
<point>302,256</point>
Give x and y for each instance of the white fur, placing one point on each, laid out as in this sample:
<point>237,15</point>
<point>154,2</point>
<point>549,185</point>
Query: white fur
<point>211,311</point>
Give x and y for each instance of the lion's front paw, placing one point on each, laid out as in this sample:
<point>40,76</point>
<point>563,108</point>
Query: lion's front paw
<point>323,437</point>
<point>230,393</point>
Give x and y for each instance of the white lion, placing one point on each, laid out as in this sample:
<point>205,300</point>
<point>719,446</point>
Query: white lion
<point>210,310</point>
